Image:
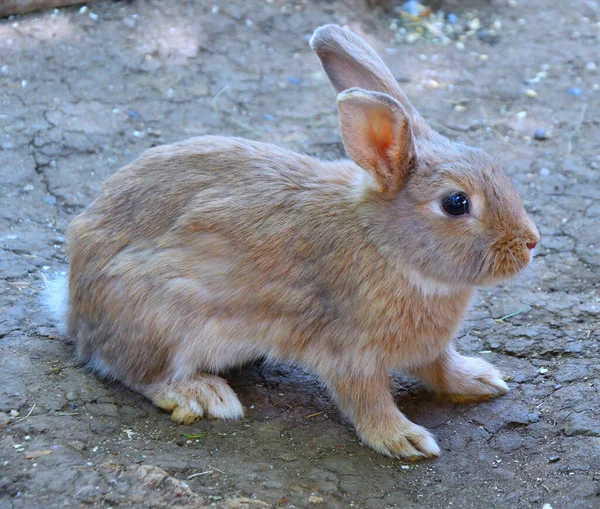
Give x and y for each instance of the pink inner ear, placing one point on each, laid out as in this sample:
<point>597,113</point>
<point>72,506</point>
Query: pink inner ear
<point>381,133</point>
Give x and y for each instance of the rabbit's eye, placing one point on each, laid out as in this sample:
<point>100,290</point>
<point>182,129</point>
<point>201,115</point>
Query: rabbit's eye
<point>456,204</point>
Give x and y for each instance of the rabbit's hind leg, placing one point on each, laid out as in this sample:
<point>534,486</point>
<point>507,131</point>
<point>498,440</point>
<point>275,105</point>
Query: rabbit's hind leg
<point>188,400</point>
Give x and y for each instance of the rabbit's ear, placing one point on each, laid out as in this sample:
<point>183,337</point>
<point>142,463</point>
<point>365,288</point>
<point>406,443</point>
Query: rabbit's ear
<point>350,62</point>
<point>378,136</point>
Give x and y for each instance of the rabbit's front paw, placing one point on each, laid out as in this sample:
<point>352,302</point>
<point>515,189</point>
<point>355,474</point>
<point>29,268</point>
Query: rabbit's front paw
<point>473,380</point>
<point>189,400</point>
<point>402,440</point>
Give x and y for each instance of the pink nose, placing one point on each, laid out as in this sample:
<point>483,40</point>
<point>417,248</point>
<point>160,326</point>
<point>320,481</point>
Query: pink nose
<point>531,245</point>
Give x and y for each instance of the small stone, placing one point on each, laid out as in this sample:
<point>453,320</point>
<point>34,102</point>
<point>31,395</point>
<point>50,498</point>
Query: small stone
<point>521,115</point>
<point>129,21</point>
<point>546,506</point>
<point>14,413</point>
<point>474,24</point>
<point>540,134</point>
<point>415,9</point>
<point>4,420</point>
<point>411,38</point>
<point>313,499</point>
<point>553,459</point>
<point>452,18</point>
<point>287,9</point>
<point>544,172</point>
<point>83,10</point>
<point>214,9</point>
<point>459,45</point>
<point>72,396</point>
<point>294,81</point>
<point>543,371</point>
<point>460,108</point>
<point>28,187</point>
<point>590,66</point>
<point>483,58</point>
<point>93,16</point>
<point>497,25</point>
<point>574,91</point>
<point>49,199</point>
<point>531,93</point>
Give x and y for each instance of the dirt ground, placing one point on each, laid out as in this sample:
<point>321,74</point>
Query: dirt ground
<point>83,92</point>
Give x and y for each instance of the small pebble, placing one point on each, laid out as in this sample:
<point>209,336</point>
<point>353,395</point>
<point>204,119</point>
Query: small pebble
<point>543,371</point>
<point>4,69</point>
<point>544,172</point>
<point>411,38</point>
<point>72,396</point>
<point>553,459</point>
<point>531,93</point>
<point>83,10</point>
<point>93,16</point>
<point>49,199</point>
<point>460,108</point>
<point>294,81</point>
<point>214,9</point>
<point>574,91</point>
<point>521,115</point>
<point>497,25</point>
<point>474,24</point>
<point>452,18</point>
<point>459,45</point>
<point>483,57</point>
<point>28,187</point>
<point>540,134</point>
<point>590,66</point>
<point>416,9</point>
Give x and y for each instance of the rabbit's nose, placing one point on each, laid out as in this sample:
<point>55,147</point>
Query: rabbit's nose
<point>531,245</point>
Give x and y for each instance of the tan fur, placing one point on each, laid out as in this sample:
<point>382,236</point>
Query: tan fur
<point>213,252</point>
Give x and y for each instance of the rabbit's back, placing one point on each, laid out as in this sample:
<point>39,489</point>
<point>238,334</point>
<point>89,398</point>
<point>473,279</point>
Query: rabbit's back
<point>214,237</point>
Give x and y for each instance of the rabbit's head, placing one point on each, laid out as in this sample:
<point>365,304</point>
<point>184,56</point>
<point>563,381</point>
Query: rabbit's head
<point>444,211</point>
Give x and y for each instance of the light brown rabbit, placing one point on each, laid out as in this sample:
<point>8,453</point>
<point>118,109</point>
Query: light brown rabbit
<point>214,252</point>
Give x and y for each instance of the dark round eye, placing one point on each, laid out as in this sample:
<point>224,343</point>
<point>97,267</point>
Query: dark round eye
<point>456,204</point>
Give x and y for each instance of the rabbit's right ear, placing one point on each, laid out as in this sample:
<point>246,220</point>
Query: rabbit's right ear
<point>350,62</point>
<point>378,136</point>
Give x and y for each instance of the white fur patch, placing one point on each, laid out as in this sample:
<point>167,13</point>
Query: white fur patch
<point>55,298</point>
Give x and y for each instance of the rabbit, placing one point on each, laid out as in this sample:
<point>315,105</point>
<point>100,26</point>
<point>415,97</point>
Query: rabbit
<point>213,252</point>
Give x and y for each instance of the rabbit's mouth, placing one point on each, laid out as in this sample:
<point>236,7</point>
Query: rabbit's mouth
<point>505,260</point>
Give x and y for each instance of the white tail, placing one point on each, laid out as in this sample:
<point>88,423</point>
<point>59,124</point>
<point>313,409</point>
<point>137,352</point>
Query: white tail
<point>55,298</point>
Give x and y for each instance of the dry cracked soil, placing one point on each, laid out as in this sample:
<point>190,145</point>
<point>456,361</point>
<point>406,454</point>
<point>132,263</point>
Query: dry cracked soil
<point>83,92</point>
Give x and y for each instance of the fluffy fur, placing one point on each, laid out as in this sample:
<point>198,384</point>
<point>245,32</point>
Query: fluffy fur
<point>213,252</point>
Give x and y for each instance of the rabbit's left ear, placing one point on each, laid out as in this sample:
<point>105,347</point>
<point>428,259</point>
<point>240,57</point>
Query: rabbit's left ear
<point>377,134</point>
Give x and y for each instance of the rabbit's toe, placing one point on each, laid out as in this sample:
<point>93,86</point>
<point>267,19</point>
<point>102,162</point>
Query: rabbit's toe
<point>407,441</point>
<point>192,399</point>
<point>475,380</point>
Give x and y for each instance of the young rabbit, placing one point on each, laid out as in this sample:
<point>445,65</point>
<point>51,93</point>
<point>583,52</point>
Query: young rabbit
<point>215,251</point>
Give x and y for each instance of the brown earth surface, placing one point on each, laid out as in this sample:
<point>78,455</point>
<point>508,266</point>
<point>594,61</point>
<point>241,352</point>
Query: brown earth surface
<point>84,92</point>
